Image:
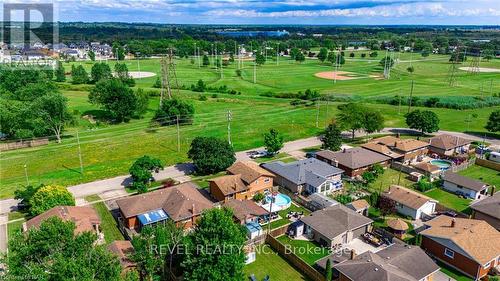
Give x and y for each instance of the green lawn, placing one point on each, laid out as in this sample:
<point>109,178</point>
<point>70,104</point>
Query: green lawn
<point>484,174</point>
<point>14,227</point>
<point>453,273</point>
<point>269,262</point>
<point>283,157</point>
<point>202,181</point>
<point>283,213</point>
<point>108,223</point>
<point>109,150</point>
<point>388,178</point>
<point>309,251</point>
<point>450,200</point>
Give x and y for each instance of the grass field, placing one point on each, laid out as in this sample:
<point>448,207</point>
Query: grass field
<point>450,200</point>
<point>108,150</point>
<point>484,174</point>
<point>269,262</point>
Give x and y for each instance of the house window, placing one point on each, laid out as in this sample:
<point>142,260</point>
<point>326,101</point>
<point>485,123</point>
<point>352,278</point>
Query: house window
<point>267,180</point>
<point>449,253</point>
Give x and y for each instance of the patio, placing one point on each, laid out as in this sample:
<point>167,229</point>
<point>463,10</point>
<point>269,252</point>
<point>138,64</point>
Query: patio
<point>359,246</point>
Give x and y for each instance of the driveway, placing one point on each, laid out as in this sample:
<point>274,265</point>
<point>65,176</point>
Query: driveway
<point>440,276</point>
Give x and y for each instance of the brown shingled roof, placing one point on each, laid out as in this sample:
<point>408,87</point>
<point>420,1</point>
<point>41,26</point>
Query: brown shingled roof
<point>179,202</point>
<point>476,238</point>
<point>427,167</point>
<point>359,204</point>
<point>382,149</point>
<point>123,249</point>
<point>229,184</point>
<point>405,145</point>
<point>406,196</point>
<point>447,142</point>
<point>249,171</point>
<point>489,206</point>
<point>245,208</point>
<point>466,182</point>
<point>83,217</point>
<point>354,158</point>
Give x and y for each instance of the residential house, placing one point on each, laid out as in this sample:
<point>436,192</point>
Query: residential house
<point>447,145</point>
<point>308,175</point>
<point>488,209</point>
<point>359,206</point>
<point>427,169</point>
<point>408,149</point>
<point>244,180</point>
<point>84,217</point>
<point>409,202</point>
<point>248,213</point>
<point>471,188</point>
<point>182,203</point>
<point>354,161</point>
<point>470,246</point>
<point>335,225</point>
<point>123,249</point>
<point>400,262</point>
<point>319,201</point>
<point>494,156</point>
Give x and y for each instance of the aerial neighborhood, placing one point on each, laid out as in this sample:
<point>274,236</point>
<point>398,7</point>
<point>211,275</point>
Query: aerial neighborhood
<point>152,152</point>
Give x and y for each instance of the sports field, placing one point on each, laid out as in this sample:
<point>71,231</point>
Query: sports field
<point>108,150</point>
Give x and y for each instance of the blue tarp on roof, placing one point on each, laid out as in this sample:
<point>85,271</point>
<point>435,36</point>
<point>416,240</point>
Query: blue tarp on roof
<point>152,217</point>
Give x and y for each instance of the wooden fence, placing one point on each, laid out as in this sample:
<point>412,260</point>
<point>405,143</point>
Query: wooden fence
<point>295,260</point>
<point>23,144</point>
<point>488,164</point>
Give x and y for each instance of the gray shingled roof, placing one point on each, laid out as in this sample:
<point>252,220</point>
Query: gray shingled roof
<point>464,181</point>
<point>354,158</point>
<point>310,171</point>
<point>335,220</point>
<point>489,206</point>
<point>400,262</point>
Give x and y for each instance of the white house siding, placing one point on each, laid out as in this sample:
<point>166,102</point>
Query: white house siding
<point>406,211</point>
<point>453,188</point>
<point>428,208</point>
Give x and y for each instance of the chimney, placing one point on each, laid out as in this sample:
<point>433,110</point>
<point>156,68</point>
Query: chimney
<point>398,135</point>
<point>453,222</point>
<point>353,254</point>
<point>336,163</point>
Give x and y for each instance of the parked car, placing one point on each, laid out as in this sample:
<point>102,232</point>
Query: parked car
<point>311,154</point>
<point>22,205</point>
<point>259,154</point>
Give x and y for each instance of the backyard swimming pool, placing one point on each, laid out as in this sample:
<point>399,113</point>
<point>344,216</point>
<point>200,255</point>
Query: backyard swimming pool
<point>280,202</point>
<point>442,164</point>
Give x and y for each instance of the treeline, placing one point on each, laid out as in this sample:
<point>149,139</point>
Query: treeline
<point>453,102</point>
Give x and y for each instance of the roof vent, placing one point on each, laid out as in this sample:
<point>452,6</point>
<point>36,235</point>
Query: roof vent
<point>376,268</point>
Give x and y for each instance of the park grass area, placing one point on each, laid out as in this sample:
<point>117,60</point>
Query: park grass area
<point>283,221</point>
<point>108,150</point>
<point>108,223</point>
<point>450,200</point>
<point>269,262</point>
<point>483,174</point>
<point>309,251</point>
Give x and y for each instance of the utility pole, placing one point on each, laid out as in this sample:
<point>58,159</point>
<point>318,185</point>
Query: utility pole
<point>26,174</point>
<point>399,107</point>
<point>79,152</point>
<point>139,67</point>
<point>229,118</point>
<point>178,136</point>
<point>254,71</point>
<point>199,58</point>
<point>336,67</point>
<point>317,114</point>
<point>491,87</point>
<point>278,54</point>
<point>411,94</point>
<point>327,105</point>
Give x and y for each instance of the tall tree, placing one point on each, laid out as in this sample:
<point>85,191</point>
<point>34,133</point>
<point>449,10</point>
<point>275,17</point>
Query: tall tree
<point>91,55</point>
<point>425,121</point>
<point>260,59</point>
<point>351,117</point>
<point>115,97</point>
<point>323,54</point>
<point>79,75</point>
<point>211,155</point>
<point>121,72</point>
<point>142,171</point>
<point>53,111</point>
<point>60,73</point>
<point>55,252</point>
<point>172,109</point>
<point>48,197</point>
<point>373,121</point>
<point>332,137</point>
<point>300,57</point>
<point>215,249</point>
<point>100,70</point>
<point>493,124</point>
<point>273,141</point>
<point>206,60</point>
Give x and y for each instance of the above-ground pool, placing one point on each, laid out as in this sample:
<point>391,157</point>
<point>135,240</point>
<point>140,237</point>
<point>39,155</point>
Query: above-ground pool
<point>442,164</point>
<point>280,202</point>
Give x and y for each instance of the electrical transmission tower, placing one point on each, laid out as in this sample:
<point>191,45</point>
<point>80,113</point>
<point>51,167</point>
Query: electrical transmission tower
<point>168,76</point>
<point>474,64</point>
<point>452,71</point>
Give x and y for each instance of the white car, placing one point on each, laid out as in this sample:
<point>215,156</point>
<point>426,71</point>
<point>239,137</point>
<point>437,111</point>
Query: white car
<point>258,154</point>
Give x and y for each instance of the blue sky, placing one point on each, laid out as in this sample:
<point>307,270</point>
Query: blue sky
<point>483,12</point>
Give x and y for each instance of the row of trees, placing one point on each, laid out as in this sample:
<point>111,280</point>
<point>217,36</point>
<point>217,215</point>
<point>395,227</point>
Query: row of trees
<point>99,71</point>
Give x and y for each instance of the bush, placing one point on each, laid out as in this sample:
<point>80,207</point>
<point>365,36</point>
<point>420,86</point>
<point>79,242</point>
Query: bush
<point>203,98</point>
<point>214,96</point>
<point>343,199</point>
<point>368,177</point>
<point>424,184</point>
<point>50,196</point>
<point>258,197</point>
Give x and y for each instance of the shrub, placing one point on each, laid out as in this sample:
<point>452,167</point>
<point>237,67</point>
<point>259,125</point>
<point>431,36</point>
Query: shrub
<point>343,198</point>
<point>214,96</point>
<point>424,184</point>
<point>203,98</point>
<point>368,177</point>
<point>258,197</point>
